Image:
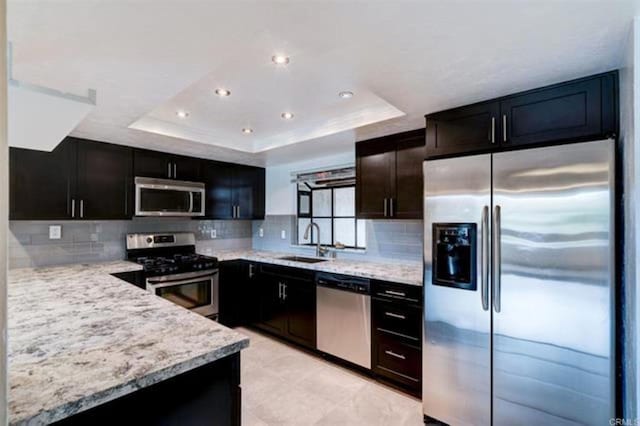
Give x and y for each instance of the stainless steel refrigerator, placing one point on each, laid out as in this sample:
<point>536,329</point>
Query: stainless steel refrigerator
<point>519,287</point>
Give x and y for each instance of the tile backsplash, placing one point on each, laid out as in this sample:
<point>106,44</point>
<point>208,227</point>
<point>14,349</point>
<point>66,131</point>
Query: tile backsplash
<point>91,241</point>
<point>398,240</point>
<point>94,241</point>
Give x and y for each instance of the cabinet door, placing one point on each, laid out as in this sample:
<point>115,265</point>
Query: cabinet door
<point>375,178</point>
<point>41,184</point>
<point>410,154</point>
<point>561,112</point>
<point>463,130</point>
<point>152,164</point>
<point>186,168</point>
<point>105,184</point>
<point>218,181</point>
<point>300,298</point>
<point>249,192</point>
<point>272,306</point>
<point>228,293</point>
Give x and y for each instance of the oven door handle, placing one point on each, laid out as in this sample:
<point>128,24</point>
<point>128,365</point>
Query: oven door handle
<point>190,202</point>
<point>157,283</point>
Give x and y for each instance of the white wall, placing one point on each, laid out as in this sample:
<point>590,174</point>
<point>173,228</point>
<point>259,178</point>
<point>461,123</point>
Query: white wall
<point>630,134</point>
<point>4,213</point>
<point>281,193</point>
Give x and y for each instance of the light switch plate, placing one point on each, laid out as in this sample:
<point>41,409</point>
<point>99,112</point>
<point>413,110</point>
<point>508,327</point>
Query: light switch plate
<point>261,232</point>
<point>283,234</point>
<point>214,233</point>
<point>55,232</point>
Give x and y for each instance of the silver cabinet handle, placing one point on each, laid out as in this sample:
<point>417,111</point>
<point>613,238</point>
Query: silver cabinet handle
<point>392,315</point>
<point>493,130</point>
<point>175,171</point>
<point>390,207</point>
<point>504,127</point>
<point>385,207</point>
<point>73,207</point>
<point>81,209</point>
<point>284,291</point>
<point>496,259</point>
<point>190,202</point>
<point>396,293</point>
<point>169,170</point>
<point>391,353</point>
<point>280,291</point>
<point>238,214</point>
<point>484,259</point>
<point>251,271</point>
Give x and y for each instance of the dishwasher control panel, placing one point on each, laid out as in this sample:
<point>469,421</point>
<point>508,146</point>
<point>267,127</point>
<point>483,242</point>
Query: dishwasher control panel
<point>344,282</point>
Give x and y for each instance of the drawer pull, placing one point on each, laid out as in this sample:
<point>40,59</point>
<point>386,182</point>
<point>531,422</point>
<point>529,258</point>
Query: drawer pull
<point>392,315</point>
<point>395,293</point>
<point>391,353</point>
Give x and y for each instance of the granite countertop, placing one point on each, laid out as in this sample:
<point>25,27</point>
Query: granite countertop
<point>79,337</point>
<point>405,273</point>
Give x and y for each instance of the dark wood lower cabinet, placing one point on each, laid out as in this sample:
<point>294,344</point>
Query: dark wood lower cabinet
<point>238,293</point>
<point>209,395</point>
<point>288,304</point>
<point>282,302</point>
<point>397,335</point>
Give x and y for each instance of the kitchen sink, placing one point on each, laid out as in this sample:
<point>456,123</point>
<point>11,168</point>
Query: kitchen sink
<point>303,259</point>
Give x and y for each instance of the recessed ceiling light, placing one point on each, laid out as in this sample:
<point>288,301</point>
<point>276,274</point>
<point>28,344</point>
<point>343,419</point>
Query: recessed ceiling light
<point>346,94</point>
<point>247,130</point>
<point>182,114</point>
<point>280,59</point>
<point>223,92</point>
<point>287,115</point>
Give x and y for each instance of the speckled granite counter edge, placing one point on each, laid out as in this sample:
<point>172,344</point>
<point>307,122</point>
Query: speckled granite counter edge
<point>106,395</point>
<point>338,266</point>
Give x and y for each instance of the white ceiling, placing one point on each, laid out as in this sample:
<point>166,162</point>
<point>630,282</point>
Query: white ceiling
<point>148,58</point>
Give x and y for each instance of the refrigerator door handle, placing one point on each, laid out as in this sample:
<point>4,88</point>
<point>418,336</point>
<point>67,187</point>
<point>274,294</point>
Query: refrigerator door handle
<point>484,259</point>
<point>496,259</point>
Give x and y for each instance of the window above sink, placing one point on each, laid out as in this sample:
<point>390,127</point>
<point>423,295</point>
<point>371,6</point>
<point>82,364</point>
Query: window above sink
<point>328,200</point>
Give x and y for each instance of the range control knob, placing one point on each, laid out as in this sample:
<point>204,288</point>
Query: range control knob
<point>149,240</point>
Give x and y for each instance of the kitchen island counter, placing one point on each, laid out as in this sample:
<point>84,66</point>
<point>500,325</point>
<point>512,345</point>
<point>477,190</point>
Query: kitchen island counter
<point>79,338</point>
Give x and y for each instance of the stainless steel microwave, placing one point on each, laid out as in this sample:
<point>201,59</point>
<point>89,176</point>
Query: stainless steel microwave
<point>164,197</point>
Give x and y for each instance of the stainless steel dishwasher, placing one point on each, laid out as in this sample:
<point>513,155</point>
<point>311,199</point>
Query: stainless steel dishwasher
<point>344,317</point>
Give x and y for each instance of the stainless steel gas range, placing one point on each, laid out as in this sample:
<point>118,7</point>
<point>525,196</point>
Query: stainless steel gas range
<point>174,271</point>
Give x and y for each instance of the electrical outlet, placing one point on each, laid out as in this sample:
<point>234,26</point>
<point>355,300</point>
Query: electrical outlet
<point>214,233</point>
<point>55,232</point>
<point>261,232</point>
<point>283,234</point>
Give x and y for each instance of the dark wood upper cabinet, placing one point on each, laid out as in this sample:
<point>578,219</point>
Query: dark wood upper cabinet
<point>152,164</point>
<point>104,182</point>
<point>162,165</point>
<point>409,186</point>
<point>186,168</point>
<point>466,129</point>
<point>41,184</point>
<point>79,179</point>
<point>374,182</point>
<point>218,181</point>
<point>564,112</point>
<point>389,176</point>
<point>234,191</point>
<point>573,111</point>
<point>249,192</point>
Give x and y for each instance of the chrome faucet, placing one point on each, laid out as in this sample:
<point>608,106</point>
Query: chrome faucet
<point>320,251</point>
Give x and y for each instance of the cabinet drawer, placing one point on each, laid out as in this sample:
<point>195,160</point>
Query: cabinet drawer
<point>397,292</point>
<point>398,320</point>
<point>398,361</point>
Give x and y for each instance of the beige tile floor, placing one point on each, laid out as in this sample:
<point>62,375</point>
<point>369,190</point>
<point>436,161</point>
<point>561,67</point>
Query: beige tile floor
<point>282,385</point>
